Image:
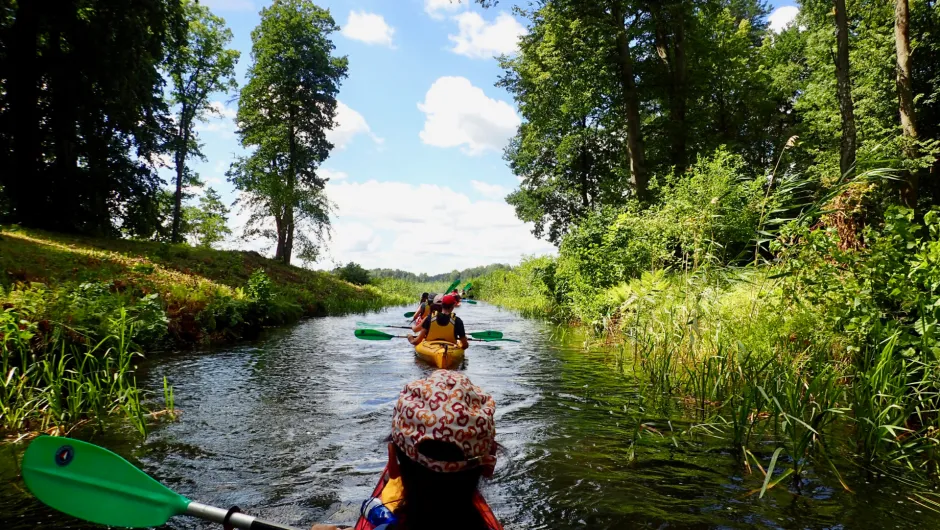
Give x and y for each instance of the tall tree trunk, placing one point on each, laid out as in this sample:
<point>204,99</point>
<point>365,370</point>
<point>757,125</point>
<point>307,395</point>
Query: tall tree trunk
<point>291,183</point>
<point>181,151</point>
<point>671,50</point>
<point>849,144</point>
<point>631,104</point>
<point>909,191</point>
<point>25,191</point>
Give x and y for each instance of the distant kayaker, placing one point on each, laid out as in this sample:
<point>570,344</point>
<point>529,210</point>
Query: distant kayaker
<point>422,306</point>
<point>444,326</point>
<point>431,309</point>
<point>469,294</point>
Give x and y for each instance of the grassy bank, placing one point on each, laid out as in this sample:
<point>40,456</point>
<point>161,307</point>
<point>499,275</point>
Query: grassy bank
<point>77,312</point>
<point>829,354</point>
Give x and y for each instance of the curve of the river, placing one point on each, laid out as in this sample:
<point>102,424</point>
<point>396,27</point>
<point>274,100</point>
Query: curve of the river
<point>293,428</point>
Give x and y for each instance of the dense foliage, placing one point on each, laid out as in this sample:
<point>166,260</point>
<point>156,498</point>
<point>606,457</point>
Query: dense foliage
<point>775,267</point>
<point>445,277</point>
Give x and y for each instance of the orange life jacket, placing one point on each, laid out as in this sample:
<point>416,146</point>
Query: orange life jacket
<point>391,493</point>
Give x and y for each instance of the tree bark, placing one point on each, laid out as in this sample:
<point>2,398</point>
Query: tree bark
<point>181,149</point>
<point>909,190</point>
<point>671,49</point>
<point>631,104</point>
<point>849,143</point>
<point>24,110</point>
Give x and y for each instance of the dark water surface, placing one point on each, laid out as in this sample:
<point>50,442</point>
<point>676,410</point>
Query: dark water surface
<point>292,428</point>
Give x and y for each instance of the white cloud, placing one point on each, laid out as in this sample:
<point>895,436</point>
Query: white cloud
<point>221,122</point>
<point>331,174</point>
<point>490,191</point>
<point>369,28</point>
<point>349,123</point>
<point>222,110</point>
<point>386,224</point>
<point>228,5</point>
<point>460,114</point>
<point>782,17</point>
<point>437,8</point>
<point>479,39</point>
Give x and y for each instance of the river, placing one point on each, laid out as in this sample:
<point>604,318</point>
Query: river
<point>293,428</point>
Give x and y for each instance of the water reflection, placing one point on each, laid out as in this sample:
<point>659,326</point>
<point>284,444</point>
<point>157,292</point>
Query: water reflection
<point>292,428</point>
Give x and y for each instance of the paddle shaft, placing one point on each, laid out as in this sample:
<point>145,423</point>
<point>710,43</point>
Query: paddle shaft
<point>236,520</point>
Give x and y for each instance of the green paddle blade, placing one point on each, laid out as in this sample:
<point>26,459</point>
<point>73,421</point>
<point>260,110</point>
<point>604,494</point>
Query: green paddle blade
<point>91,483</point>
<point>372,334</point>
<point>452,286</point>
<point>487,334</point>
<point>409,314</point>
<point>470,301</point>
<point>469,285</point>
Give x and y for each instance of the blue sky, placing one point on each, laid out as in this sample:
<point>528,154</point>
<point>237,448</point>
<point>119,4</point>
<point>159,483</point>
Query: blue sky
<point>417,174</point>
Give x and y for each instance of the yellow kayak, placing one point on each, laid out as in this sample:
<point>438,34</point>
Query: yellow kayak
<point>440,354</point>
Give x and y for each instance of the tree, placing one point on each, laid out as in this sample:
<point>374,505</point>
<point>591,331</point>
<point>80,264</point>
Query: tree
<point>284,112</point>
<point>82,115</point>
<point>198,67</point>
<point>207,223</point>
<point>902,40</point>
<point>568,151</point>
<point>849,142</point>
<point>354,273</point>
<point>631,102</point>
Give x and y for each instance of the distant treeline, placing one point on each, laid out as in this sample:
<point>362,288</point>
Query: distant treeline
<point>446,276</point>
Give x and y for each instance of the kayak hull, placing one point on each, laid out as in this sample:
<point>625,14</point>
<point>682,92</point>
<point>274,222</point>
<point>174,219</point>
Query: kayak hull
<point>440,354</point>
<point>478,501</point>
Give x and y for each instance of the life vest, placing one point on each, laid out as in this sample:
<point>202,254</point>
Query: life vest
<point>391,492</point>
<point>423,311</point>
<point>447,332</point>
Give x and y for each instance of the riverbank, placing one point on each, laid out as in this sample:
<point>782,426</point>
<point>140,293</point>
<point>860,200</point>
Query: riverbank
<point>827,355</point>
<point>78,311</point>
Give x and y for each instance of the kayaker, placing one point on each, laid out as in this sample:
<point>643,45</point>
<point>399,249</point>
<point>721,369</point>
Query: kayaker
<point>469,294</point>
<point>445,326</point>
<point>431,310</point>
<point>432,476</point>
<point>424,309</point>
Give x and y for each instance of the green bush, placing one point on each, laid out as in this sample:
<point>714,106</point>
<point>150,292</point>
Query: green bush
<point>353,273</point>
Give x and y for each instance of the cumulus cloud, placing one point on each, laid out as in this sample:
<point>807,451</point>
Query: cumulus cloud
<point>222,110</point>
<point>369,28</point>
<point>437,8</point>
<point>349,124</point>
<point>331,174</point>
<point>479,39</point>
<point>221,121</point>
<point>386,224</point>
<point>491,191</point>
<point>782,17</point>
<point>458,114</point>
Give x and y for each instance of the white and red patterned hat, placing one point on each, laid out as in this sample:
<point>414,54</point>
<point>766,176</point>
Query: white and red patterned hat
<point>446,407</point>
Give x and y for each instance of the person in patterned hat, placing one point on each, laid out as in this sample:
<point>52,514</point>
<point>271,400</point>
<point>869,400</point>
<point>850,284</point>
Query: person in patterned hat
<point>443,442</point>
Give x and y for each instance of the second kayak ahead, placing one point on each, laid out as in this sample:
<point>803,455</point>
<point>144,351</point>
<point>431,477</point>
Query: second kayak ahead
<point>440,354</point>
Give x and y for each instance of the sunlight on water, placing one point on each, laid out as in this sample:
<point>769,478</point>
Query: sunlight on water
<point>293,428</point>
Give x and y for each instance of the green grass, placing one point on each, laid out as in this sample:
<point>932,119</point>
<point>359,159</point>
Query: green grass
<point>758,368</point>
<point>77,311</point>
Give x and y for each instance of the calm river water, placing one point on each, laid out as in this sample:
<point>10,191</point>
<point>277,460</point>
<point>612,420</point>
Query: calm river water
<point>292,428</point>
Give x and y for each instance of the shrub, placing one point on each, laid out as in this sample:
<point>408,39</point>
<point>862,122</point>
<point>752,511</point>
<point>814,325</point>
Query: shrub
<point>353,273</point>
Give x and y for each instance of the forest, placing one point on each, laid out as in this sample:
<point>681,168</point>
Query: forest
<point>749,213</point>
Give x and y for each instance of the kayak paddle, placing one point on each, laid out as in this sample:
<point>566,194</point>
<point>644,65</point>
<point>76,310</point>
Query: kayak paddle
<point>452,286</point>
<point>470,301</point>
<point>475,334</point>
<point>409,314</point>
<point>374,334</point>
<point>93,484</point>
